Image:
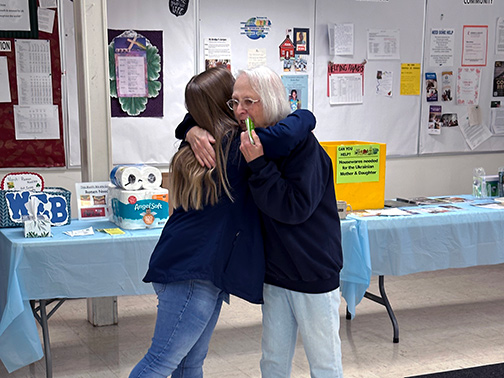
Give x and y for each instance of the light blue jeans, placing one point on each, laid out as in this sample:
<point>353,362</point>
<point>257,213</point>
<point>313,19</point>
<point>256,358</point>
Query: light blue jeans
<point>316,316</point>
<point>186,317</point>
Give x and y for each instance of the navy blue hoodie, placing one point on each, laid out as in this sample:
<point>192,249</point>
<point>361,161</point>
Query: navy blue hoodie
<point>302,232</point>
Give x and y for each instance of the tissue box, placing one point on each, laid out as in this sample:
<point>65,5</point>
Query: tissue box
<point>54,203</point>
<point>138,209</point>
<point>37,228</point>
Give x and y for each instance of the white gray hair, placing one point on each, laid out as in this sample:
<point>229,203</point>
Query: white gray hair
<point>270,88</point>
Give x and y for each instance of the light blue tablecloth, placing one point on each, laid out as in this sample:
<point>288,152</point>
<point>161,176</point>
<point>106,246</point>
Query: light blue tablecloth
<point>356,273</point>
<point>426,242</point>
<point>100,266</point>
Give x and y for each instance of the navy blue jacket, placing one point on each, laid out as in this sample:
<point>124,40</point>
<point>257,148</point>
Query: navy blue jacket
<point>302,228</point>
<point>222,243</point>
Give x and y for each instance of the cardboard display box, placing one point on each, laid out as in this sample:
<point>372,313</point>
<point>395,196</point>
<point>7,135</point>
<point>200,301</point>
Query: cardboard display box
<point>359,172</point>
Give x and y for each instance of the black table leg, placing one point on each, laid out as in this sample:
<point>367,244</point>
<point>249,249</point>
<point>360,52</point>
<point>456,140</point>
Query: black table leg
<point>42,320</point>
<point>383,300</point>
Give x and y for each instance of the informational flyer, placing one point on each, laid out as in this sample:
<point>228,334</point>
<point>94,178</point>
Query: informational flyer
<point>36,122</point>
<point>431,86</point>
<point>343,80</point>
<point>131,66</point>
<point>435,119</point>
<point>475,45</point>
<point>92,200</point>
<point>499,36</point>
<point>384,83</point>
<point>383,44</point>
<point>5,95</point>
<point>46,19</point>
<point>358,163</point>
<point>446,86</point>
<point>345,89</point>
<point>256,57</point>
<point>15,15</point>
<point>441,47</point>
<point>468,83</point>
<point>297,90</point>
<point>410,79</point>
<point>217,51</point>
<point>497,120</point>
<point>498,79</point>
<point>474,135</point>
<point>33,72</point>
<point>341,39</point>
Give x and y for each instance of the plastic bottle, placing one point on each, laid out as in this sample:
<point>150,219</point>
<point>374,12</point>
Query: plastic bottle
<point>479,189</point>
<point>501,182</point>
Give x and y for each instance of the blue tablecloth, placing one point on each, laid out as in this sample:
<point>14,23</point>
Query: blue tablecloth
<point>98,265</point>
<point>402,245</point>
<point>102,265</point>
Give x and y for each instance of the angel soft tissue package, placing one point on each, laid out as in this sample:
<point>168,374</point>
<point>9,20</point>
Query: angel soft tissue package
<point>145,207</point>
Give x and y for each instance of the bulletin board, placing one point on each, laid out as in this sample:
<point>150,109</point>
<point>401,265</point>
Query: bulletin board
<point>391,119</point>
<point>455,15</point>
<point>40,152</point>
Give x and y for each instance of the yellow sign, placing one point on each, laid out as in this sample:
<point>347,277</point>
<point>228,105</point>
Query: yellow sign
<point>358,163</point>
<point>410,79</point>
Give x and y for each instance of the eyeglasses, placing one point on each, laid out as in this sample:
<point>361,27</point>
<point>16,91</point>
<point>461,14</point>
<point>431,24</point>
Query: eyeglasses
<point>245,103</point>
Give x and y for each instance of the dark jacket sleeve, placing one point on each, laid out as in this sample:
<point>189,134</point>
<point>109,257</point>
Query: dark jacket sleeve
<point>279,140</point>
<point>292,194</point>
<point>184,126</point>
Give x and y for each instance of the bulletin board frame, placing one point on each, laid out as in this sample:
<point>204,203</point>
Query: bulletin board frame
<point>35,153</point>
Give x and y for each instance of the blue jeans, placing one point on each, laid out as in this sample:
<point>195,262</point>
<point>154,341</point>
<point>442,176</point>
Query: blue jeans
<point>186,317</point>
<point>317,318</point>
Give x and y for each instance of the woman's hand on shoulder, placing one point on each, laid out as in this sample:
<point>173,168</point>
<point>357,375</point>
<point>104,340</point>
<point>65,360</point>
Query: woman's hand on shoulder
<point>201,142</point>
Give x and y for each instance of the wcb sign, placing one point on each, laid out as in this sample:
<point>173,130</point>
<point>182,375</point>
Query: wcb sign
<point>54,204</point>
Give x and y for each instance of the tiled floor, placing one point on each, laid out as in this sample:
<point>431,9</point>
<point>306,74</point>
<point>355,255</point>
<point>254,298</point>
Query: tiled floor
<point>448,320</point>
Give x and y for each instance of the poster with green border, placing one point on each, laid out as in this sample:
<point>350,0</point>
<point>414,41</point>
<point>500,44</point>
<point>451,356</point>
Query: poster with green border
<point>358,163</point>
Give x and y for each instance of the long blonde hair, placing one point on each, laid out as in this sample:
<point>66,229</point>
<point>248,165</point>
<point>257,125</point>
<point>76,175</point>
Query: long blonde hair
<point>191,185</point>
